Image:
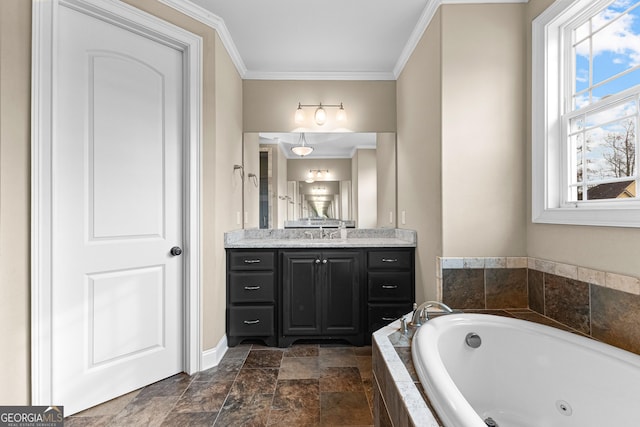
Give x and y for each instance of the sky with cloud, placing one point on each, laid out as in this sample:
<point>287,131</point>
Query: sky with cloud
<point>614,47</point>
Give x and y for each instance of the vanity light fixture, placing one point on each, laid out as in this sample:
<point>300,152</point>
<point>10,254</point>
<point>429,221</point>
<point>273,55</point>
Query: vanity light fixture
<point>318,173</point>
<point>302,149</point>
<point>320,116</point>
<point>319,190</point>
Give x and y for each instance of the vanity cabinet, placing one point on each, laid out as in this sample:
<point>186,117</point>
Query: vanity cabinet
<point>251,296</point>
<point>321,295</point>
<point>390,285</point>
<point>287,294</point>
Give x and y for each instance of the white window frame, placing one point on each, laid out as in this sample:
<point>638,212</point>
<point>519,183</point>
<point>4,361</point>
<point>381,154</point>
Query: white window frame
<point>549,156</point>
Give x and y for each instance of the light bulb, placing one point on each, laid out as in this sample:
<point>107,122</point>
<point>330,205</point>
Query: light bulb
<point>341,115</point>
<point>319,174</point>
<point>310,174</point>
<point>299,116</point>
<point>321,116</point>
<point>326,174</point>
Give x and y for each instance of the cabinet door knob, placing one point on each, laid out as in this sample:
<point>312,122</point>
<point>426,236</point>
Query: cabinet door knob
<point>324,261</point>
<point>251,322</point>
<point>317,261</point>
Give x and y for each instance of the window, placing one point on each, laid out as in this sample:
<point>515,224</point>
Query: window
<point>586,97</point>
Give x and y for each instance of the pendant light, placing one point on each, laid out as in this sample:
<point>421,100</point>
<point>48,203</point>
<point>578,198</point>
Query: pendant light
<point>302,149</point>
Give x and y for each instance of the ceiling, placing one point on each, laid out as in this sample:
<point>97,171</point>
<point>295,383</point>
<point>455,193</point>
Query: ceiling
<point>330,39</point>
<point>325,145</point>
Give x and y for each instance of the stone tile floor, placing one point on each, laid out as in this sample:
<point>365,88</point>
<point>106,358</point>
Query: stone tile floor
<point>254,385</point>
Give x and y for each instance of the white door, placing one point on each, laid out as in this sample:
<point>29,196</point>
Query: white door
<point>117,212</point>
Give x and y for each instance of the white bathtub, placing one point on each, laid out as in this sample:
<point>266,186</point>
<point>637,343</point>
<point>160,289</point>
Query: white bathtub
<point>524,374</point>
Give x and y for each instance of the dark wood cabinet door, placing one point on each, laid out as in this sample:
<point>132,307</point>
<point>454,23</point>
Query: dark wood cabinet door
<point>301,293</point>
<point>340,293</point>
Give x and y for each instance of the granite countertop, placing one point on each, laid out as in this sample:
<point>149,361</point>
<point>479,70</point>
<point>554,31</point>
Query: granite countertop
<point>293,238</point>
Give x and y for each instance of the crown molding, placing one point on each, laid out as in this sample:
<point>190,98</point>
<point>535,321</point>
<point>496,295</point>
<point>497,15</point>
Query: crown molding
<point>318,75</point>
<point>214,21</point>
<point>421,26</point>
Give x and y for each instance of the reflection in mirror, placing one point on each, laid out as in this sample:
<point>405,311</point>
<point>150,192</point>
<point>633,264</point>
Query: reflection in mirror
<point>348,179</point>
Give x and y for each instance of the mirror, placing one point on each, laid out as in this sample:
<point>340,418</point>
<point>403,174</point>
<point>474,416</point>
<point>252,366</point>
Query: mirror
<point>348,179</point>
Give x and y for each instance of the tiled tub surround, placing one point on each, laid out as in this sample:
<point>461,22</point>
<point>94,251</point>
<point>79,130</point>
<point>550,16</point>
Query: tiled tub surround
<point>602,305</point>
<point>398,397</point>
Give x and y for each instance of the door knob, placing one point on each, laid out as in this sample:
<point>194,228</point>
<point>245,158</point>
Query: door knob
<point>176,250</point>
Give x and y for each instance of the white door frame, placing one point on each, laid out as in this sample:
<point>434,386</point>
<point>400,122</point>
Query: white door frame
<point>43,122</point>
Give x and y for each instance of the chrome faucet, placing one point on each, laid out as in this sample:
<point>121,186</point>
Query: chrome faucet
<point>324,233</point>
<point>421,314</point>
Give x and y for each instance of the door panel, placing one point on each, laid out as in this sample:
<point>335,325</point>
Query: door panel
<point>301,294</point>
<point>117,211</point>
<point>116,300</point>
<point>341,293</point>
<point>120,130</point>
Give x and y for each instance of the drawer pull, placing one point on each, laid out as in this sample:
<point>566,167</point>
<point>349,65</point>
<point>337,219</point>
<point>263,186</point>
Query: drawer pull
<point>251,322</point>
<point>252,261</point>
<point>251,288</point>
<point>389,286</point>
<point>388,319</point>
<point>389,259</point>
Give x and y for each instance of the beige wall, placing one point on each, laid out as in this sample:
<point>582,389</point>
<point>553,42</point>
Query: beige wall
<point>483,148</point>
<point>222,137</point>
<point>15,123</point>
<point>269,105</point>
<point>366,189</point>
<point>461,155</point>
<point>251,148</point>
<point>354,187</point>
<point>386,179</point>
<point>613,249</point>
<point>280,185</point>
<point>419,154</point>
<point>227,203</point>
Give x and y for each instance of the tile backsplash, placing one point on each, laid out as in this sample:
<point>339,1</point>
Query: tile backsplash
<point>602,305</point>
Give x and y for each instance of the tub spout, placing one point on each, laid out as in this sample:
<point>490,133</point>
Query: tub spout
<point>421,314</point>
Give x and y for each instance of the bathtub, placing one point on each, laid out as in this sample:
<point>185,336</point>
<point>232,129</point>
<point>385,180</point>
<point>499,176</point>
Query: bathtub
<point>523,374</point>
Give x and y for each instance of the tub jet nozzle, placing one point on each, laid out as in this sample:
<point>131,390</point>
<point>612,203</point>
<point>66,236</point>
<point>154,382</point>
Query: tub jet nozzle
<point>490,422</point>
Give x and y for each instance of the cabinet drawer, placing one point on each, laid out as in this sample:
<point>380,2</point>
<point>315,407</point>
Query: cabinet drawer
<point>390,286</point>
<point>390,260</point>
<point>251,321</point>
<point>251,287</point>
<point>381,315</point>
<point>251,260</point>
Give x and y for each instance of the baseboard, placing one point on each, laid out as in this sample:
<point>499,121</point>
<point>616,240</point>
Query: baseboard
<point>211,358</point>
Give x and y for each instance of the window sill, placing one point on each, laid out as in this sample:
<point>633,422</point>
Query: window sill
<point>603,217</point>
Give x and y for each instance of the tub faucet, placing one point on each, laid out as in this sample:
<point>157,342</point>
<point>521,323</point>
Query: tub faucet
<point>421,314</point>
